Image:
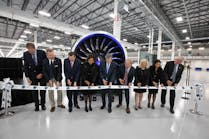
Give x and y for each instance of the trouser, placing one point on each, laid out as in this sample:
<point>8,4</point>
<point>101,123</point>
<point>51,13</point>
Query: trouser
<point>172,97</point>
<point>110,97</point>
<point>1,98</point>
<point>72,95</point>
<point>51,94</point>
<point>42,92</point>
<point>126,91</point>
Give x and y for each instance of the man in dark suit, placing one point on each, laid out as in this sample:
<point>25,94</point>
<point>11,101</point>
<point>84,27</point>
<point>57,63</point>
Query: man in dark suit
<point>108,76</point>
<point>72,75</point>
<point>126,74</point>
<point>33,60</point>
<point>173,71</point>
<point>52,70</point>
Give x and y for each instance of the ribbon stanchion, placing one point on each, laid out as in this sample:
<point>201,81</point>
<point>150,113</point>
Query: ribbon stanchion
<point>6,86</point>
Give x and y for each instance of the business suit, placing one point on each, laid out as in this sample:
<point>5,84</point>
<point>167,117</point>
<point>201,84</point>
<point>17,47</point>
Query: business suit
<point>32,68</point>
<point>72,73</point>
<point>52,70</point>
<point>110,76</point>
<point>168,70</point>
<point>127,75</point>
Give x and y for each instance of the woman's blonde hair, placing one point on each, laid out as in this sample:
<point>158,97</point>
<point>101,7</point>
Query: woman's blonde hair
<point>142,61</point>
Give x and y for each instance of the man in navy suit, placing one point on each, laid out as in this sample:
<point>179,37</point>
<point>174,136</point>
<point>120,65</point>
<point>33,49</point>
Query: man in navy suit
<point>52,69</point>
<point>173,71</point>
<point>126,74</point>
<point>33,60</point>
<point>108,77</point>
<point>72,75</point>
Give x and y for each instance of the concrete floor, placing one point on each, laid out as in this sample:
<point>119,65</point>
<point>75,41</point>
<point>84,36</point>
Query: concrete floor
<point>145,123</point>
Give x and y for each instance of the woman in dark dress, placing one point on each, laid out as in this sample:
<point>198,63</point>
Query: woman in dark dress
<point>89,71</point>
<point>141,79</point>
<point>156,76</point>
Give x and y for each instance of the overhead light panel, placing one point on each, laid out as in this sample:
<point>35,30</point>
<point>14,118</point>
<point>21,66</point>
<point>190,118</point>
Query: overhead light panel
<point>27,32</point>
<point>68,33</point>
<point>148,36</point>
<point>21,40</point>
<point>85,26</point>
<point>56,37</point>
<point>23,36</point>
<point>125,40</point>
<point>189,43</point>
<point>49,40</point>
<point>189,49</point>
<point>179,19</point>
<point>190,46</point>
<point>34,25</point>
<point>44,13</point>
<point>112,15</point>
<point>187,38</point>
<point>201,48</point>
<point>136,43</point>
<point>184,31</point>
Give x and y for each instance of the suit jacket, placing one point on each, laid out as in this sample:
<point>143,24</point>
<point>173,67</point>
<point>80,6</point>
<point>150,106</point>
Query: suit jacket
<point>111,75</point>
<point>89,73</point>
<point>141,76</point>
<point>30,69</point>
<point>156,76</point>
<point>57,69</point>
<point>72,73</point>
<point>169,67</point>
<point>121,73</point>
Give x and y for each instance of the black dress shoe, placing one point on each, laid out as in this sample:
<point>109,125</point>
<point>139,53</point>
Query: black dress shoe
<point>86,109</point>
<point>162,105</point>
<point>90,108</point>
<point>70,109</point>
<point>119,105</point>
<point>148,105</point>
<point>172,111</point>
<point>109,110</point>
<point>153,107</point>
<point>102,107</point>
<point>77,106</point>
<point>43,107</point>
<point>36,109</point>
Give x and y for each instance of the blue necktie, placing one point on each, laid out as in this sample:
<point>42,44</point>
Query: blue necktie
<point>35,59</point>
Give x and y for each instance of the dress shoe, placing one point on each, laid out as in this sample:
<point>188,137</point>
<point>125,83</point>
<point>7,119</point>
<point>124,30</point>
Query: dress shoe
<point>109,110</point>
<point>172,111</point>
<point>90,108</point>
<point>70,109</point>
<point>102,107</point>
<point>86,109</point>
<point>128,110</point>
<point>52,109</point>
<point>140,107</point>
<point>153,107</point>
<point>136,108</point>
<point>118,106</point>
<point>148,105</point>
<point>36,109</point>
<point>162,105</point>
<point>77,106</point>
<point>43,107</point>
<point>61,106</point>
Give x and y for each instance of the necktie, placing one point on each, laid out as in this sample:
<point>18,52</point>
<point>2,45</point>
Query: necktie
<point>107,67</point>
<point>71,64</point>
<point>35,59</point>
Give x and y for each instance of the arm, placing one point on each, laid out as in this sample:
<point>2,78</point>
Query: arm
<point>26,66</point>
<point>95,74</point>
<point>60,69</point>
<point>180,73</point>
<point>131,75</point>
<point>66,70</point>
<point>78,71</point>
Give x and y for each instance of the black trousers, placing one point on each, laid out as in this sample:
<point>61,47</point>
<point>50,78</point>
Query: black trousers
<point>172,97</point>
<point>110,97</point>
<point>72,97</point>
<point>42,92</point>
<point>120,94</point>
<point>1,98</point>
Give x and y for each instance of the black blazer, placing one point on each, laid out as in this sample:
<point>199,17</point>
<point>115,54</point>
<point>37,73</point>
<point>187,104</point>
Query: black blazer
<point>89,73</point>
<point>73,74</point>
<point>169,67</point>
<point>122,73</point>
<point>111,75</point>
<point>141,76</point>
<point>156,76</point>
<point>30,69</point>
<point>57,69</point>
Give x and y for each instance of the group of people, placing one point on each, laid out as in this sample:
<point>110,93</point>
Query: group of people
<point>44,68</point>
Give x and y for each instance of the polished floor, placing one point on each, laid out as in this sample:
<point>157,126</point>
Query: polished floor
<point>145,123</point>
